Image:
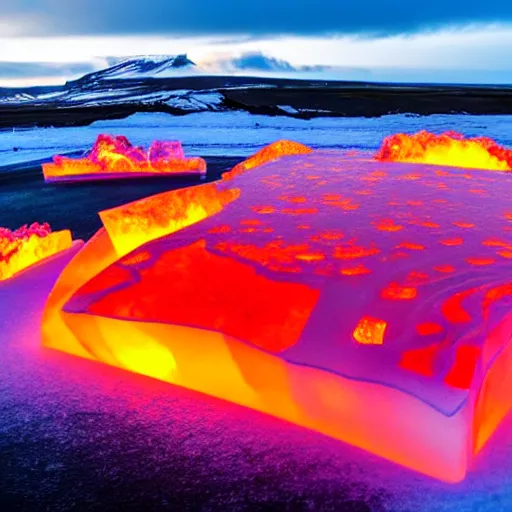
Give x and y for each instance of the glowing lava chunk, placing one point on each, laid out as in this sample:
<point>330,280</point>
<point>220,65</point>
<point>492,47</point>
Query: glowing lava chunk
<point>380,318</point>
<point>450,148</point>
<point>29,245</point>
<point>115,158</point>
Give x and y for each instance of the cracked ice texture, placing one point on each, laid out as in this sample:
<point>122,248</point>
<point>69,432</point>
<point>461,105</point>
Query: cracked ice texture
<point>28,245</point>
<point>365,300</point>
<point>115,157</point>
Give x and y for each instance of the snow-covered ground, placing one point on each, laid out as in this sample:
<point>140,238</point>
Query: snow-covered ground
<point>240,133</point>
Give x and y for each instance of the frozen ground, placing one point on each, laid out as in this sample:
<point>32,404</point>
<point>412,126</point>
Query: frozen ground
<point>240,133</point>
<point>75,435</point>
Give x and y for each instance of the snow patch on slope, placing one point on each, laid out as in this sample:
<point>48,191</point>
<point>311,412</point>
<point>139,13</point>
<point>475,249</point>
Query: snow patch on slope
<point>196,101</point>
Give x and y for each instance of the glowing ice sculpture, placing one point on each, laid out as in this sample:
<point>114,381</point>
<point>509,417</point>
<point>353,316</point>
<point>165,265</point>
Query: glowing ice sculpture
<point>28,245</point>
<point>368,301</point>
<point>115,158</point>
<point>449,149</point>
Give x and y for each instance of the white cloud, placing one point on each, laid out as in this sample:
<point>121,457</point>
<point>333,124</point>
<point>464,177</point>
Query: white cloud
<point>460,48</point>
<point>450,51</point>
<point>467,47</point>
<point>87,48</point>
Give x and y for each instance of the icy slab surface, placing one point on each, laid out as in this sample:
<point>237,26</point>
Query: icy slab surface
<point>291,298</point>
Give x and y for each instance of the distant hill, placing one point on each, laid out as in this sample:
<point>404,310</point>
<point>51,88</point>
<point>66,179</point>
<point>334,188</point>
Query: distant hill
<point>143,66</point>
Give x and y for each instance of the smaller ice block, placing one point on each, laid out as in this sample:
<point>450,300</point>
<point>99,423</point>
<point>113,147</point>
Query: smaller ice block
<point>28,245</point>
<point>114,157</point>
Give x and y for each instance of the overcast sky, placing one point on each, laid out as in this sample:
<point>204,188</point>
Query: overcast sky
<point>435,37</point>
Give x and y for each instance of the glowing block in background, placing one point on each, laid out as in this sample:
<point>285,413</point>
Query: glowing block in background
<point>267,154</point>
<point>368,301</point>
<point>115,157</point>
<point>449,149</point>
<point>28,245</point>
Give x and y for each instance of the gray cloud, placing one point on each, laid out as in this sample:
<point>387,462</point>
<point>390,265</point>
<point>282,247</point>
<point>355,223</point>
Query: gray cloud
<point>257,18</point>
<point>20,70</point>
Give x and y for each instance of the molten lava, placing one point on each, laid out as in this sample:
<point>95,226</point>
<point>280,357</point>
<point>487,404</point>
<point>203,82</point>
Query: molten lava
<point>448,149</point>
<point>115,157</point>
<point>27,245</point>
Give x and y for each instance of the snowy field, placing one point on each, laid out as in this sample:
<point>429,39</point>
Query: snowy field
<point>240,133</point>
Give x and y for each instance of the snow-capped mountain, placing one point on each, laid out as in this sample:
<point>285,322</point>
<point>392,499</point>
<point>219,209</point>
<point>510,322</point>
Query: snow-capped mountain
<point>143,66</point>
<point>164,66</point>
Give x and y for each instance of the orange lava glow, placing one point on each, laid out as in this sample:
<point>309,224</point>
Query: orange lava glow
<point>445,269</point>
<point>428,328</point>
<point>370,331</point>
<point>356,270</point>
<point>388,225</point>
<point>453,309</point>
<point>420,360</point>
<point>350,251</point>
<point>275,323</point>
<point>115,155</point>
<point>28,245</point>
<point>449,149</point>
<point>396,292</point>
<point>463,369</point>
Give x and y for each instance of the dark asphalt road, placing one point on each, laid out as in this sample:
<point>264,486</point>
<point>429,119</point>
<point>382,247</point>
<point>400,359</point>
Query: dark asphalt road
<point>25,198</point>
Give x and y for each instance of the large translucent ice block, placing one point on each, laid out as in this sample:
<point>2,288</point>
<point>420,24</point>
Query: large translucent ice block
<point>369,301</point>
